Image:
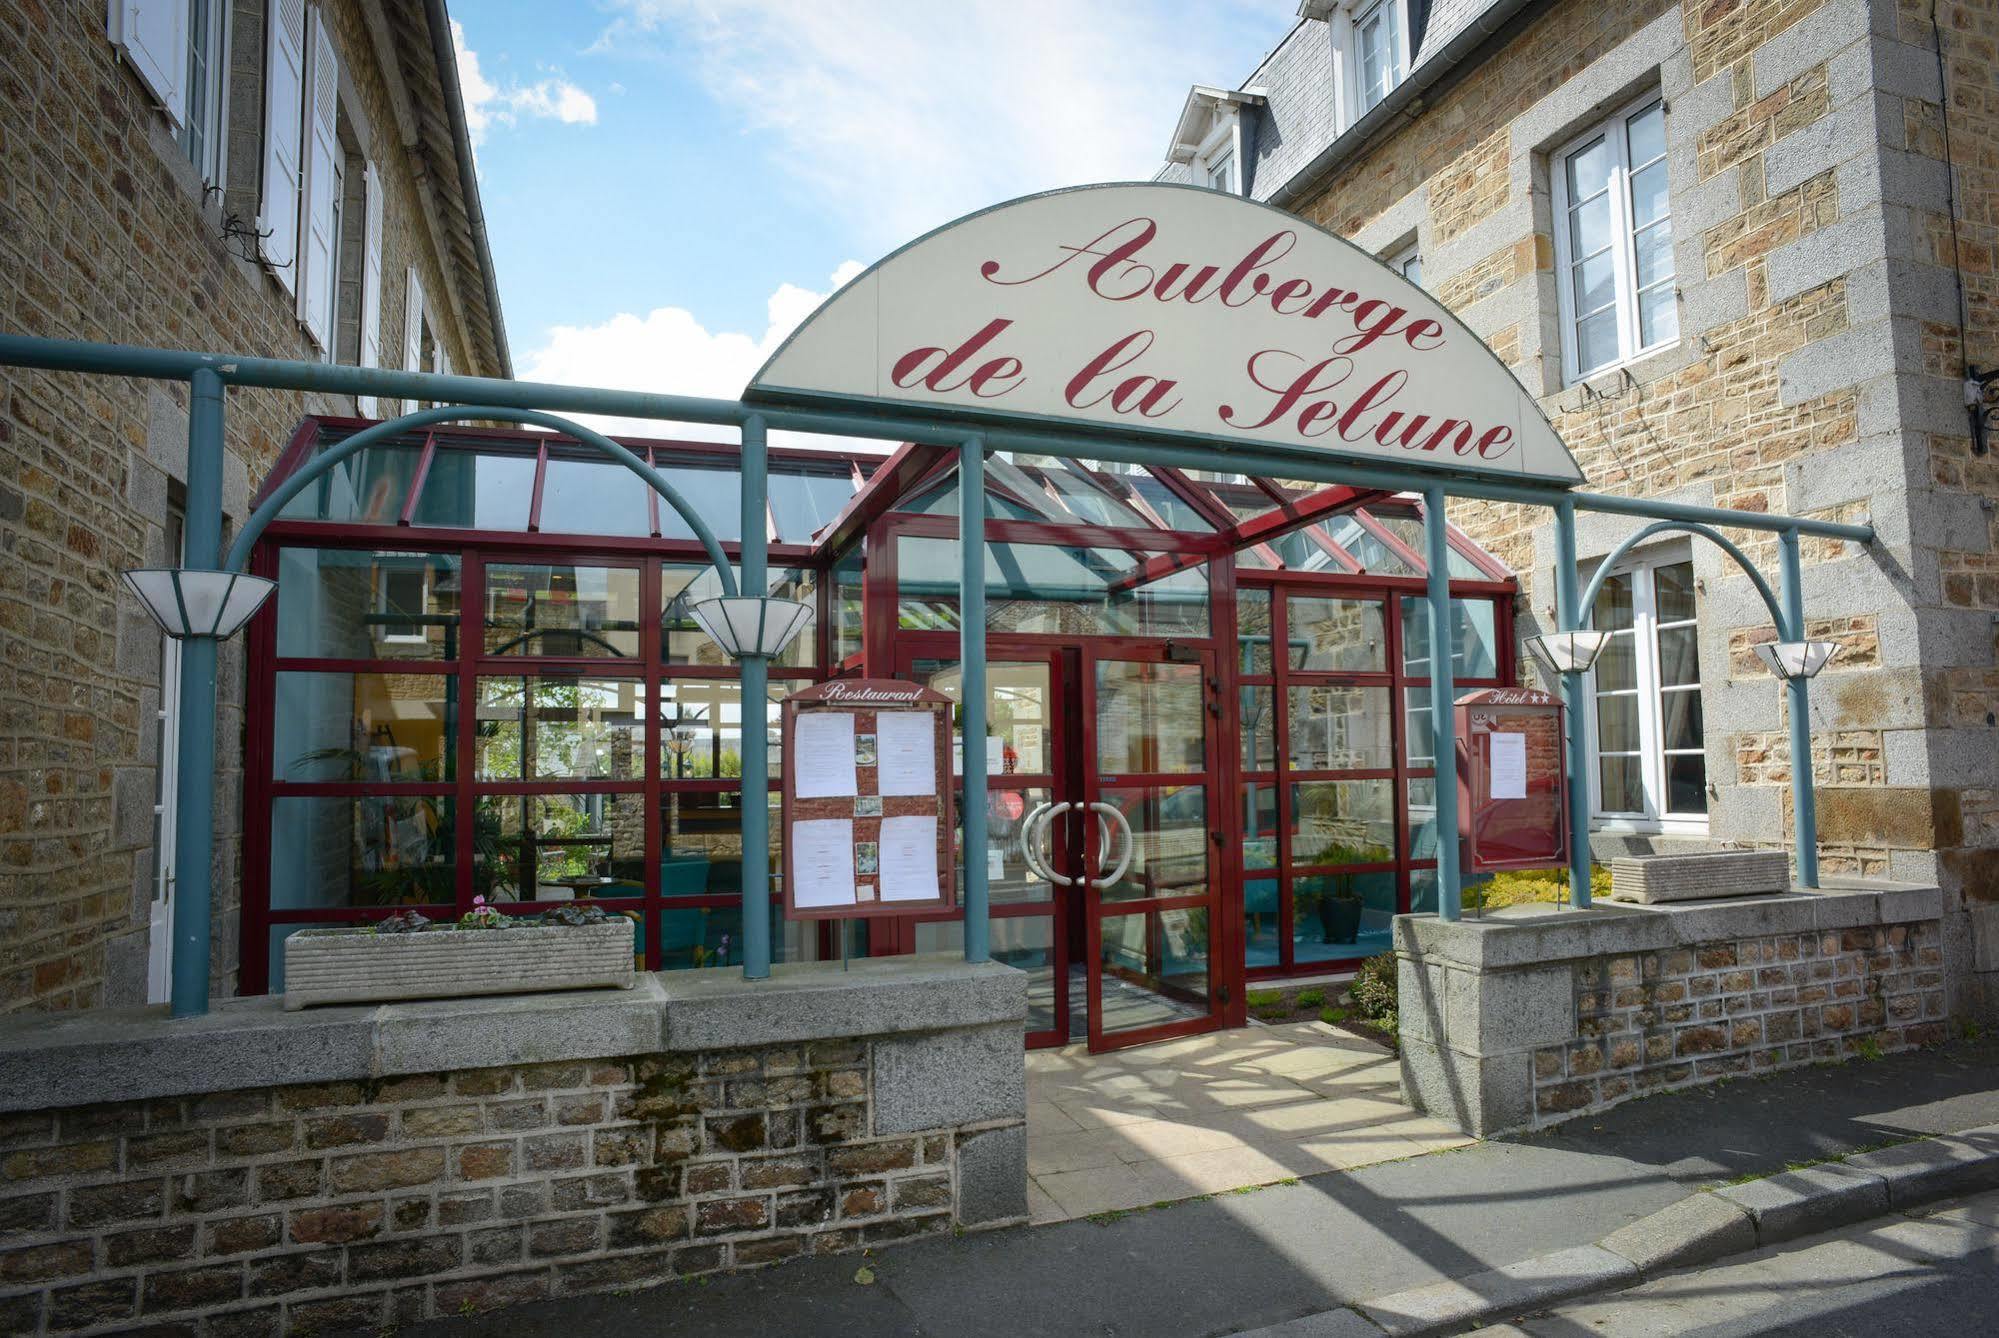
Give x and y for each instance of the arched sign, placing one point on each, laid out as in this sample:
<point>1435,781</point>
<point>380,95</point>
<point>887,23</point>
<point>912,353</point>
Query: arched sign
<point>1169,309</point>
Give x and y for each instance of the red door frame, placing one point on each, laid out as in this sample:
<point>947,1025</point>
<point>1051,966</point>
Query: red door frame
<point>1224,954</point>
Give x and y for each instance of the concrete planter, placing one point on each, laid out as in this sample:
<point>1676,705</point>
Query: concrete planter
<point>327,966</point>
<point>1713,873</point>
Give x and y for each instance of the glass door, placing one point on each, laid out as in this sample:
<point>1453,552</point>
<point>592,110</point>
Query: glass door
<point>1026,865</point>
<point>1150,884</point>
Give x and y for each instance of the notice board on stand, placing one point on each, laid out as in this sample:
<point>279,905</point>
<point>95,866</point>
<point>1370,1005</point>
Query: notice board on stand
<point>867,794</point>
<point>1511,789</point>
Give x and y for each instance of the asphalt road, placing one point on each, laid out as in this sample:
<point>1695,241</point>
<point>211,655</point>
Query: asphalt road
<point>1898,1275</point>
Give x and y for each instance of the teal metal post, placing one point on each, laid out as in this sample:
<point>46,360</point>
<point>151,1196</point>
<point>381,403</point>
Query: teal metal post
<point>972,685</point>
<point>756,732</point>
<point>1443,704</point>
<point>1804,800</point>
<point>194,779</point>
<point>1569,618</point>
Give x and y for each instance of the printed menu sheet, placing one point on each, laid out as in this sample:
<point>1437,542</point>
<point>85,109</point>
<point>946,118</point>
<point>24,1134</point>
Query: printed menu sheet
<point>822,863</point>
<point>907,749</point>
<point>1509,766</point>
<point>824,755</point>
<point>908,859</point>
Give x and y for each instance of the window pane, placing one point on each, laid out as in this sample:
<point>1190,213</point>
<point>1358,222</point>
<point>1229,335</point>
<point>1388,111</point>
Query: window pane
<point>1149,718</point>
<point>1673,587</point>
<point>560,729</point>
<point>1475,650</point>
<point>1339,916</point>
<point>1679,657</point>
<point>1169,835</point>
<point>366,488</point>
<point>1623,787</point>
<point>384,850</point>
<point>1342,822</point>
<point>596,497</point>
<point>1596,340</point>
<point>1259,826</point>
<point>562,610</point>
<point>364,727</point>
<point>341,604</point>
<point>1423,819</point>
<point>1589,170</point>
<point>1654,250</point>
<point>1617,723</point>
<point>1589,227</point>
<point>1658,316</point>
<point>1252,613</point>
<point>1686,783</point>
<point>1680,716</point>
<point>805,503</point>
<point>1336,635</point>
<point>1418,732</point>
<point>1595,283</point>
<point>1412,268</point>
<point>701,844</point>
<point>1613,604</point>
<point>472,489</point>
<point>557,847</point>
<point>1648,195</point>
<point>701,728</point>
<point>1259,729</point>
<point>1616,668</point>
<point>1648,134</point>
<point>1058,589</point>
<point>1340,729</point>
<point>1373,555</point>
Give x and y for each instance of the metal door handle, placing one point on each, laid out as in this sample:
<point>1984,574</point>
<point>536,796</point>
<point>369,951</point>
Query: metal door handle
<point>1025,840</point>
<point>1111,811</point>
<point>1030,838</point>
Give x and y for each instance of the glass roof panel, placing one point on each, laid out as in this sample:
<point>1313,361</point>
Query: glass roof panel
<point>367,488</point>
<point>804,501</point>
<point>470,489</point>
<point>1374,556</point>
<point>593,497</point>
<point>1410,529</point>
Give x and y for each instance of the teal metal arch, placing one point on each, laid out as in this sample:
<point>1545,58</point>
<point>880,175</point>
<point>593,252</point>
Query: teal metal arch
<point>319,464</point>
<point>1786,613</point>
<point>1587,612</point>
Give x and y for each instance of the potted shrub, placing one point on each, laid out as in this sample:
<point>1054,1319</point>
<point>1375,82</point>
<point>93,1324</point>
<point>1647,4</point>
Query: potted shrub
<point>485,952</point>
<point>1340,910</point>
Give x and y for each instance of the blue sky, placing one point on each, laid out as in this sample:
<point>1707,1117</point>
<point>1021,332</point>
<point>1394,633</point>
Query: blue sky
<point>670,185</point>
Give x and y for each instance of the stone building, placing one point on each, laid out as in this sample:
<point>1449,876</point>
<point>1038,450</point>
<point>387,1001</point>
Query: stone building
<point>289,179</point>
<point>1743,254</point>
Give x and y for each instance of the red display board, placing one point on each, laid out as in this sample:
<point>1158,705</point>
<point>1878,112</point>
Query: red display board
<point>867,792</point>
<point>1511,790</point>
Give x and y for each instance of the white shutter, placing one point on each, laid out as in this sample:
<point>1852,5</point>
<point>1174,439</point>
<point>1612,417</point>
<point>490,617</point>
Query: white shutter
<point>153,36</point>
<point>413,326</point>
<point>371,280</point>
<point>322,181</point>
<point>284,120</point>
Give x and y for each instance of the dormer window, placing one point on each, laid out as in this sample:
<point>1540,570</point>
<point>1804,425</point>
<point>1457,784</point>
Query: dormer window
<point>1214,140</point>
<point>1377,46</point>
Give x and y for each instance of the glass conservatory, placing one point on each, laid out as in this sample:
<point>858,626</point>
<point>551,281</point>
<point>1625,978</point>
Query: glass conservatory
<point>480,680</point>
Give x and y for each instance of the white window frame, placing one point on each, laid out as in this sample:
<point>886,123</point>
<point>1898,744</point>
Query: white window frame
<point>1614,132</point>
<point>1219,152</point>
<point>152,36</point>
<point>207,112</point>
<point>1347,24</point>
<point>279,211</point>
<point>1401,262</point>
<point>1644,632</point>
<point>421,635</point>
<point>371,281</point>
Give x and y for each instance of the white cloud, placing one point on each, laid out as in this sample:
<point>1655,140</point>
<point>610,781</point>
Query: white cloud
<point>904,114</point>
<point>669,352</point>
<point>489,104</point>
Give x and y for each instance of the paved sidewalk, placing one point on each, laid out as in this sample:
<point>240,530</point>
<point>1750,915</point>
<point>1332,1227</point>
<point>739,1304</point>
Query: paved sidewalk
<point>1932,1272</point>
<point>1228,1110</point>
<point>1242,1260</point>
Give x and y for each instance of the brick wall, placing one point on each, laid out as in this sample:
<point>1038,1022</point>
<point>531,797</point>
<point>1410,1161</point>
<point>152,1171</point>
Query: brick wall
<point>106,234</point>
<point>1652,1021</point>
<point>362,1205</point>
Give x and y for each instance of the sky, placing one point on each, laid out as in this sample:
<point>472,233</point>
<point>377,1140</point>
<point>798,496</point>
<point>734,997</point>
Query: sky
<point>670,186</point>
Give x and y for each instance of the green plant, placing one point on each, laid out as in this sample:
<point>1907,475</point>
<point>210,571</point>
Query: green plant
<point>1868,1048</point>
<point>1310,998</point>
<point>1333,1014</point>
<point>1521,887</point>
<point>1263,998</point>
<point>1373,990</point>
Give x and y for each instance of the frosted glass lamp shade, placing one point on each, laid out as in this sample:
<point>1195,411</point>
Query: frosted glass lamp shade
<point>751,624</point>
<point>1796,659</point>
<point>194,602</point>
<point>1567,652</point>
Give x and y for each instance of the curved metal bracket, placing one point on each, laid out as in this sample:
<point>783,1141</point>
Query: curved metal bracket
<point>253,528</point>
<point>1586,605</point>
